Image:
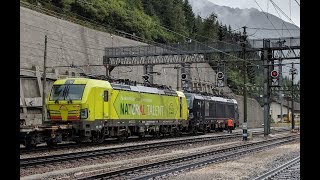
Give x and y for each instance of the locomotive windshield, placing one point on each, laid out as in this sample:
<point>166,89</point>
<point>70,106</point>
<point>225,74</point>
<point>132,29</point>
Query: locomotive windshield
<point>67,92</point>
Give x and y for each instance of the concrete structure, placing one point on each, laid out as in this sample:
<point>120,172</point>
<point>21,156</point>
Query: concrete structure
<point>72,44</point>
<point>275,110</point>
<point>254,114</point>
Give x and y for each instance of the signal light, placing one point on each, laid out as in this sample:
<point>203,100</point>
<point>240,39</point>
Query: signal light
<point>274,74</point>
<point>220,75</point>
<point>183,76</point>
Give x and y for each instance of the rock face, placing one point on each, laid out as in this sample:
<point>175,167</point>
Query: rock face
<point>71,44</point>
<point>252,17</point>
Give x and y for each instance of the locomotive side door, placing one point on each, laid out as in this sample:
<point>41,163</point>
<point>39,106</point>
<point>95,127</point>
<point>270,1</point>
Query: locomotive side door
<point>98,103</point>
<point>106,104</point>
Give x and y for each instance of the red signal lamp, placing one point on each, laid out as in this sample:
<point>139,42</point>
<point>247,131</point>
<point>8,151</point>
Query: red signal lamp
<point>274,74</point>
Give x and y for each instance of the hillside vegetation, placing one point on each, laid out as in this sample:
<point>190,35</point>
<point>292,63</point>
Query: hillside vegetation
<point>162,21</point>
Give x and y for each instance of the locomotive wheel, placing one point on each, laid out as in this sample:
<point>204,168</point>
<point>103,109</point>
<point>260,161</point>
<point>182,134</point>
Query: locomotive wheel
<point>204,131</point>
<point>157,135</point>
<point>142,135</point>
<point>194,131</point>
<point>29,145</point>
<point>30,141</point>
<point>51,143</point>
<point>98,137</point>
<point>122,138</point>
<point>176,132</point>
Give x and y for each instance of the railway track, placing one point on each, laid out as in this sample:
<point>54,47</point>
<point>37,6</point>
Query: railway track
<point>43,160</point>
<point>169,167</point>
<point>74,145</point>
<point>27,162</point>
<point>289,170</point>
<point>67,146</point>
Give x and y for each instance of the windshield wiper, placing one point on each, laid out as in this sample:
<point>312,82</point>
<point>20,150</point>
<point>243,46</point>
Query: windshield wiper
<point>57,100</point>
<point>70,100</point>
<point>66,94</point>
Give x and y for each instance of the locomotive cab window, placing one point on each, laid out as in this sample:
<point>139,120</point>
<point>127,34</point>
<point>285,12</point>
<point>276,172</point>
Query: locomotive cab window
<point>206,108</point>
<point>105,96</point>
<point>67,92</point>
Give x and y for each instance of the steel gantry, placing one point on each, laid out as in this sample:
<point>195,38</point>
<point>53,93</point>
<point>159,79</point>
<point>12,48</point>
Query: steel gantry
<point>194,52</point>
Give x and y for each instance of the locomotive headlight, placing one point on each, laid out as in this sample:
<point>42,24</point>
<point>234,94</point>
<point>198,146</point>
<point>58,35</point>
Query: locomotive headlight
<point>84,113</point>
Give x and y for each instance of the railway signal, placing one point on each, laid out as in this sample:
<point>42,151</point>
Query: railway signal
<point>183,76</point>
<point>274,74</point>
<point>220,75</point>
<point>220,79</point>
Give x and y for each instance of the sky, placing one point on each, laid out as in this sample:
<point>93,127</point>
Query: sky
<point>289,7</point>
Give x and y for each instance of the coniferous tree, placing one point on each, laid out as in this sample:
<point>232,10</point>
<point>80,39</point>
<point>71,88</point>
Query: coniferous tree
<point>198,25</point>
<point>210,28</point>
<point>190,17</point>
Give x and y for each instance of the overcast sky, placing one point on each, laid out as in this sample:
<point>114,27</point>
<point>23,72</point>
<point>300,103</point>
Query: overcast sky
<point>290,7</point>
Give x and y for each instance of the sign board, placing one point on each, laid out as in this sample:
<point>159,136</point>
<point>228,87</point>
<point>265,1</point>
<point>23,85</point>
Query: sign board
<point>274,82</point>
<point>244,125</point>
<point>220,83</point>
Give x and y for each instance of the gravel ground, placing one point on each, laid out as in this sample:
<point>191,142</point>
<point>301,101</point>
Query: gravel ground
<point>116,162</point>
<point>244,168</point>
<point>79,168</point>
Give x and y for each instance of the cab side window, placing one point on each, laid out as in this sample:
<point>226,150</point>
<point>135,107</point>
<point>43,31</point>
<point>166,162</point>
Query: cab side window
<point>105,96</point>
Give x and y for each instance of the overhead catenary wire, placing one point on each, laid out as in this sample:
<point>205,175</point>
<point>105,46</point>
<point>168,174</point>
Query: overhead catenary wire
<point>208,46</point>
<point>282,20</point>
<point>280,17</point>
<point>267,17</point>
<point>276,29</point>
<point>276,6</point>
<point>271,21</point>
